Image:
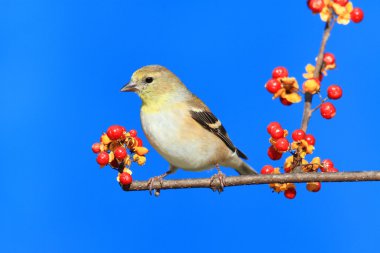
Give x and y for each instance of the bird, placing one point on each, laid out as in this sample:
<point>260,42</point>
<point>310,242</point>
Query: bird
<point>180,127</point>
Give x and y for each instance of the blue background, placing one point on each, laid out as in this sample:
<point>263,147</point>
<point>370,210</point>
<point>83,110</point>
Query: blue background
<point>62,64</point>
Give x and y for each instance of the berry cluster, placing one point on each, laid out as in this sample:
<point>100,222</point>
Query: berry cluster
<point>342,10</point>
<point>287,88</point>
<point>313,85</point>
<point>302,145</point>
<point>113,150</point>
<point>284,87</point>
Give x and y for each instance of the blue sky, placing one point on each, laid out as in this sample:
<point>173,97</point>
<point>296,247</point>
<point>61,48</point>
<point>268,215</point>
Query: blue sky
<point>62,65</point>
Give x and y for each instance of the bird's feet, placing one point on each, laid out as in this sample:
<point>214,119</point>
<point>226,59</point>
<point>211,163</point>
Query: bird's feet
<point>154,179</point>
<point>218,176</point>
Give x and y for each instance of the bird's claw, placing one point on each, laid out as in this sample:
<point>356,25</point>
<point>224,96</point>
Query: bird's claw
<point>220,176</point>
<point>152,180</point>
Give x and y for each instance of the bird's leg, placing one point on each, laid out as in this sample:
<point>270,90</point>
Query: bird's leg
<point>160,178</point>
<point>156,178</point>
<point>220,176</point>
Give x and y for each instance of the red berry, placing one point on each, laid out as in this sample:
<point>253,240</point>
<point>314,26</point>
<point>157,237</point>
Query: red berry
<point>341,2</point>
<point>120,153</point>
<point>277,132</point>
<point>313,186</point>
<point>328,58</point>
<point>326,164</point>
<point>310,139</point>
<point>274,154</point>
<point>328,110</point>
<point>280,72</point>
<point>133,133</point>
<point>282,145</point>
<point>287,169</point>
<point>267,169</point>
<point>273,125</point>
<point>96,147</point>
<point>290,193</point>
<point>103,158</point>
<point>273,85</point>
<point>357,15</point>
<point>334,91</point>
<point>115,132</point>
<point>139,141</point>
<point>298,135</point>
<point>285,102</point>
<point>332,170</point>
<point>125,178</point>
<point>316,6</point>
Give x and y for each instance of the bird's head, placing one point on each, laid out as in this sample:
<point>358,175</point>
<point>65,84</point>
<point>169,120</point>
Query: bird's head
<point>154,83</point>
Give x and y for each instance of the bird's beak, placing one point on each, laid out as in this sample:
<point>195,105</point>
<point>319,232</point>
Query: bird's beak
<point>131,86</point>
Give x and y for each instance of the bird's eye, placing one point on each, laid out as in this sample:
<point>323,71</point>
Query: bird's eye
<point>149,79</point>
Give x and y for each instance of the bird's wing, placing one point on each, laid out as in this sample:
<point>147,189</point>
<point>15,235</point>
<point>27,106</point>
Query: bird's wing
<point>207,120</point>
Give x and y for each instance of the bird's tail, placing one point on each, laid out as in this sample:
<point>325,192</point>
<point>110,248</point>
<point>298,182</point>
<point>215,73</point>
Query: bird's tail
<point>245,169</point>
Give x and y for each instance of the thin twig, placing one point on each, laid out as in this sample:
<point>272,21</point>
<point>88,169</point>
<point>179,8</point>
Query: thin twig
<point>258,179</point>
<point>318,106</point>
<point>307,112</point>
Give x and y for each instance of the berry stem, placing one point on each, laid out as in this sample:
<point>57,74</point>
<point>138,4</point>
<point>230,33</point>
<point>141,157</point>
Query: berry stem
<point>318,106</point>
<point>307,111</point>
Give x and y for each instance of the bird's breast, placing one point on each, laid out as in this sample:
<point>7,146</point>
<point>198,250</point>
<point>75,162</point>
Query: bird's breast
<point>180,139</point>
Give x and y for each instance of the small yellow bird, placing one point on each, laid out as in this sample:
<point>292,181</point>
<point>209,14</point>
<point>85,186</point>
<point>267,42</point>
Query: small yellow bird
<point>180,126</point>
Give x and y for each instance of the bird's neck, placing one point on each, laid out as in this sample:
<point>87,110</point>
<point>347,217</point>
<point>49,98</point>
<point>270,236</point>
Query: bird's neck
<point>163,102</point>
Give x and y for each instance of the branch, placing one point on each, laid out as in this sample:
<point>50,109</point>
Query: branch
<point>257,179</point>
<point>307,111</point>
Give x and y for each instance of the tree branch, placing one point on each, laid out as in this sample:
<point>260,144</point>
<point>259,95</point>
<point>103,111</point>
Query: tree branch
<point>307,111</point>
<point>257,179</point>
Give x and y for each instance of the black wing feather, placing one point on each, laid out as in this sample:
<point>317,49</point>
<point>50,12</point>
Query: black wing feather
<point>207,119</point>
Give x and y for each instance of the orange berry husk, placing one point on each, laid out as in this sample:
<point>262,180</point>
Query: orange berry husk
<point>103,147</point>
<point>282,187</point>
<point>140,151</point>
<point>127,161</point>
<point>126,135</point>
<point>105,139</point>
<point>141,161</point>
<point>316,162</point>
<point>113,145</point>
<point>127,170</point>
<point>311,85</point>
<point>131,143</point>
<point>111,156</point>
